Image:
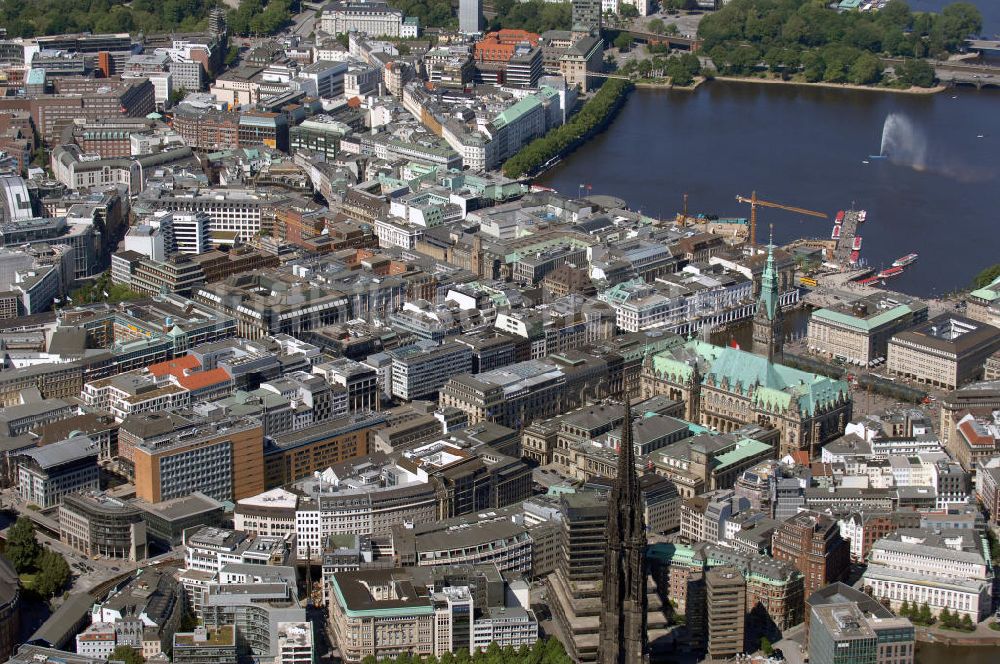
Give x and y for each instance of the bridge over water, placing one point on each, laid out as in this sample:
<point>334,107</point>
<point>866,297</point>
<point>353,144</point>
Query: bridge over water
<point>961,72</point>
<point>984,46</point>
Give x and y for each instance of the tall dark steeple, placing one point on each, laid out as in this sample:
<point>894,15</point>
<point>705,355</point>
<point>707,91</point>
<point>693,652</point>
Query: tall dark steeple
<point>623,635</point>
<point>767,322</point>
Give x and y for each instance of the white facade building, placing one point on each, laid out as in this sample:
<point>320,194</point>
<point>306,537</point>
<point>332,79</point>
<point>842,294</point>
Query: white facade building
<point>235,210</point>
<point>323,79</point>
<point>397,233</point>
<point>98,640</point>
<point>946,570</point>
<point>470,16</point>
<point>148,240</point>
<point>295,643</point>
<point>373,18</point>
<point>191,232</point>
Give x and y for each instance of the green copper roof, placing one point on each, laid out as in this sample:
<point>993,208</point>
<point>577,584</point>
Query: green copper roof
<point>746,448</point>
<point>771,386</point>
<point>620,293</point>
<point>988,293</point>
<point>680,369</point>
<point>392,183</point>
<point>544,245</point>
<point>674,369</point>
<point>771,399</point>
<point>36,76</point>
<point>672,554</point>
<point>769,295</point>
<point>522,107</point>
<point>864,324</point>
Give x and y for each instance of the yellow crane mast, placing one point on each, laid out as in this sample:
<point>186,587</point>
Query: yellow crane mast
<point>754,202</point>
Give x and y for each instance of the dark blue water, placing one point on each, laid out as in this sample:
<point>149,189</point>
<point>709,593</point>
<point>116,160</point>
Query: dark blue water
<point>805,146</point>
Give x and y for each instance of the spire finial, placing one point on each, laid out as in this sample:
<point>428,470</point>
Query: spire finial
<point>770,235</point>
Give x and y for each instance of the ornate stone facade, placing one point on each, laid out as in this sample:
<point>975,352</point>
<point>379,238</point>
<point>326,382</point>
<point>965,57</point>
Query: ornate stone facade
<point>724,388</point>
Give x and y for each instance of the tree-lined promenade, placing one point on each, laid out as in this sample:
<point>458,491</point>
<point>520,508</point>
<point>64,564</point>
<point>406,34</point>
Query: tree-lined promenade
<point>593,117</point>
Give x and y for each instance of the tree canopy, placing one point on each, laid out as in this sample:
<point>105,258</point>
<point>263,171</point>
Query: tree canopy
<point>52,17</point>
<point>432,13</point>
<point>628,11</point>
<point>255,17</point>
<point>50,570</point>
<point>127,654</point>
<point>624,41</point>
<point>102,290</point>
<point>987,276</point>
<point>53,573</point>
<point>545,651</point>
<point>533,15</point>
<point>22,548</point>
<point>680,69</point>
<point>915,72</point>
<point>790,36</point>
<point>593,116</point>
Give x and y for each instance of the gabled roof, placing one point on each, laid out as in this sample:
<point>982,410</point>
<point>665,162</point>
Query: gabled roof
<point>769,385</point>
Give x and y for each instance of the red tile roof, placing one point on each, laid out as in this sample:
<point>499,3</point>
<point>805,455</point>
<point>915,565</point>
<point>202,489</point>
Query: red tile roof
<point>800,457</point>
<point>175,367</point>
<point>202,379</point>
<point>974,437</point>
<point>820,469</point>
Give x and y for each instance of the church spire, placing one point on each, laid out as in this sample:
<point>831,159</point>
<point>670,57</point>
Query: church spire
<point>623,637</point>
<point>769,295</point>
<point>767,324</point>
<point>627,479</point>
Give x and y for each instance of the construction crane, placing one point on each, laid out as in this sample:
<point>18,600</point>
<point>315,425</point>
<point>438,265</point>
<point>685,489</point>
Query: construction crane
<point>683,216</point>
<point>754,202</point>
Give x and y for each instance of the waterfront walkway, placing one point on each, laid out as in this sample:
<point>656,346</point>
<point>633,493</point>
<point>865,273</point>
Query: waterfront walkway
<point>983,636</point>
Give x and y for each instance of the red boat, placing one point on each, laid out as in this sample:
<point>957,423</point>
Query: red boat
<point>836,233</point>
<point>840,217</point>
<point>854,257</point>
<point>857,243</point>
<point>870,281</point>
<point>890,272</point>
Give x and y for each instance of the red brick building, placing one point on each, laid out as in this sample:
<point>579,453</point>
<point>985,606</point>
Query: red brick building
<point>498,47</point>
<point>88,99</point>
<point>812,543</point>
<point>18,137</point>
<point>207,129</point>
